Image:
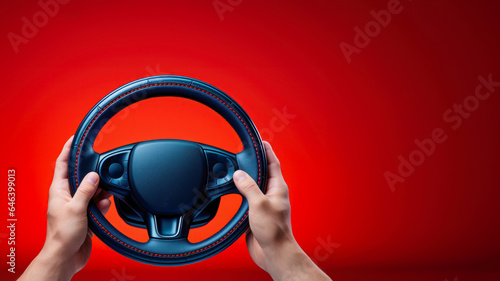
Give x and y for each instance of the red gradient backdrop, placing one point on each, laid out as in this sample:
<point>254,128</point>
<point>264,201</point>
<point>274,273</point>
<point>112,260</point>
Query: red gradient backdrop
<point>347,125</point>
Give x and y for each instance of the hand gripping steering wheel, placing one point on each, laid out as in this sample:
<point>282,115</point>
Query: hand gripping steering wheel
<point>167,186</point>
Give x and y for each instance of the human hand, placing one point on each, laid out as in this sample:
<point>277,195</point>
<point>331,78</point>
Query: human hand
<point>68,240</point>
<point>270,239</point>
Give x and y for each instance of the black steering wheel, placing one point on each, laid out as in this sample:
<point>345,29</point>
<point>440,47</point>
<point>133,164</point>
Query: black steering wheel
<point>167,186</point>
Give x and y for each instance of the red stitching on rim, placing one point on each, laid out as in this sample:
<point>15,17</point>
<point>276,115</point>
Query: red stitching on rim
<point>167,84</point>
<point>169,256</point>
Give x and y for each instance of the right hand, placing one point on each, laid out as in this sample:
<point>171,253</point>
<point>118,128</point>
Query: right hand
<point>270,239</point>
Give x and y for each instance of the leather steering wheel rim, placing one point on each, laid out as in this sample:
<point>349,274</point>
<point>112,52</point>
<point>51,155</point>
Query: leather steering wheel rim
<point>83,159</point>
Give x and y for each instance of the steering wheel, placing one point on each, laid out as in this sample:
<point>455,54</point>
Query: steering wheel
<point>167,186</point>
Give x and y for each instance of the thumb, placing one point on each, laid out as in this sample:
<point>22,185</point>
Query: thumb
<point>247,187</point>
<point>86,190</point>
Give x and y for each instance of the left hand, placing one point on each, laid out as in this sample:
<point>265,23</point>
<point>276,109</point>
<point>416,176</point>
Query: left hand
<point>68,240</point>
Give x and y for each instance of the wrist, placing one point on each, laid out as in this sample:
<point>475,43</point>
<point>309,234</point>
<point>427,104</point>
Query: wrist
<point>54,261</point>
<point>281,258</point>
<point>47,267</point>
<point>289,262</point>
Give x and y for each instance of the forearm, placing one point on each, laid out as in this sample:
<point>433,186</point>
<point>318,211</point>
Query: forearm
<point>290,262</point>
<point>47,267</point>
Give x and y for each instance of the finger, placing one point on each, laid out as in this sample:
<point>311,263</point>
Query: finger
<point>104,205</point>
<point>247,187</point>
<point>249,237</point>
<point>105,194</point>
<point>86,190</point>
<point>276,183</point>
<point>61,169</point>
<point>248,231</point>
<point>90,233</point>
<point>273,164</point>
<point>97,193</point>
<point>101,194</point>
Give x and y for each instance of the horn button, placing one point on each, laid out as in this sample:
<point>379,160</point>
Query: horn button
<point>168,177</point>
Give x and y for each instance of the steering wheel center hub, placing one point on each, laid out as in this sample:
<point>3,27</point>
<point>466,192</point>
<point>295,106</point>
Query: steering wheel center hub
<point>168,177</point>
<point>167,186</point>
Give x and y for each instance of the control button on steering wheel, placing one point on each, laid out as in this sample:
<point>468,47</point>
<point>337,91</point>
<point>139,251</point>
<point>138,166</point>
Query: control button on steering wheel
<point>167,186</point>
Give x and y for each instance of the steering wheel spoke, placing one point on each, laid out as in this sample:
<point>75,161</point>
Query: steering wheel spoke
<point>167,186</point>
<point>113,170</point>
<point>221,167</point>
<point>168,227</point>
<point>217,192</point>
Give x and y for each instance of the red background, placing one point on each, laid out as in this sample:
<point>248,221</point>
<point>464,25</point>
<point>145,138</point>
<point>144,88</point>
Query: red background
<point>351,122</point>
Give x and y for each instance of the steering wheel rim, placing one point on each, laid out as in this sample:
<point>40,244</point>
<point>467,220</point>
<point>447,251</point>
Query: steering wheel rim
<point>159,250</point>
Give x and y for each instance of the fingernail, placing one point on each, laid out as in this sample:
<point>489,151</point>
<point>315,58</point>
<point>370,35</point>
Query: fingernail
<point>239,175</point>
<point>92,178</point>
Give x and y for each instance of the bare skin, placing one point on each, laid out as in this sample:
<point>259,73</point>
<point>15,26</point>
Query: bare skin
<point>68,240</point>
<point>270,239</point>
